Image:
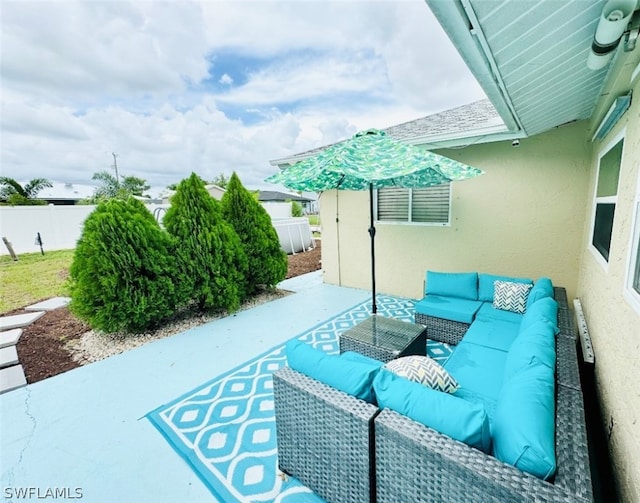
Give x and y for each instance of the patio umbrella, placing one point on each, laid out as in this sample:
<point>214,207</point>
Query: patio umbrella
<point>372,160</point>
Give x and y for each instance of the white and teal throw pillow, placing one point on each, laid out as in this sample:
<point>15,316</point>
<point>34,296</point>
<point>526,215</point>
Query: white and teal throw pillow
<point>510,296</point>
<point>423,370</point>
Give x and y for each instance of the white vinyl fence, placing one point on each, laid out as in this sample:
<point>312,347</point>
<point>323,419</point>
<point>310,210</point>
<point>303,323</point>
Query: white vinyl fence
<point>59,226</point>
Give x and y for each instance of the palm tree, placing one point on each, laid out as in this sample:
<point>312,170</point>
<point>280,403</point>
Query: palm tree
<point>11,190</point>
<point>110,186</point>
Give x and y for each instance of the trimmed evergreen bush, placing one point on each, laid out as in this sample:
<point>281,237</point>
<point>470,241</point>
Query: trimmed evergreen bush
<point>209,255</point>
<point>121,277</point>
<point>267,262</point>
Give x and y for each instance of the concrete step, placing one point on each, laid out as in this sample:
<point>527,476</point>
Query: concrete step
<point>50,304</point>
<point>8,357</point>
<point>12,378</point>
<point>10,337</point>
<point>19,320</point>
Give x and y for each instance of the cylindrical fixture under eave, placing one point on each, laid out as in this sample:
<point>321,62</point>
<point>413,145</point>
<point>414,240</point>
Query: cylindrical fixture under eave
<point>613,22</point>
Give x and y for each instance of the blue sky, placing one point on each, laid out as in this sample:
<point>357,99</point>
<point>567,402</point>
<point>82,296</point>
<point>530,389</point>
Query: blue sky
<point>213,86</point>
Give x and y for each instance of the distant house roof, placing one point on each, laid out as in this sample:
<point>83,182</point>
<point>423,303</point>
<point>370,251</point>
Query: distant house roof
<point>475,122</point>
<point>273,195</point>
<point>68,192</point>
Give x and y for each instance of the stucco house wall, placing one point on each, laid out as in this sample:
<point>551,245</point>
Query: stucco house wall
<point>614,323</point>
<point>524,217</point>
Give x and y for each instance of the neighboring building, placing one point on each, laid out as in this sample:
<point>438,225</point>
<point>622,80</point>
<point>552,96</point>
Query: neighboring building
<point>272,196</point>
<point>214,191</point>
<point>560,196</point>
<point>65,193</point>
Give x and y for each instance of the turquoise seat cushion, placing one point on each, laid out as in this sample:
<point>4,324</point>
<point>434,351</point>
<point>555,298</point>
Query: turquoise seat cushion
<point>541,289</point>
<point>350,372</point>
<point>462,285</point>
<point>477,368</point>
<point>493,334</point>
<point>486,281</point>
<point>535,345</point>
<point>460,419</point>
<point>487,402</point>
<point>449,308</point>
<point>545,309</point>
<point>523,425</point>
<point>490,313</point>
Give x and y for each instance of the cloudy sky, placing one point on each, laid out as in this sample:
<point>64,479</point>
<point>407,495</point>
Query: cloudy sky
<point>211,87</point>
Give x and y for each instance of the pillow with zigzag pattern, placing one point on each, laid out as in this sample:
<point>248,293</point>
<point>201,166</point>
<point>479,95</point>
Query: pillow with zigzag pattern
<point>510,296</point>
<point>423,370</point>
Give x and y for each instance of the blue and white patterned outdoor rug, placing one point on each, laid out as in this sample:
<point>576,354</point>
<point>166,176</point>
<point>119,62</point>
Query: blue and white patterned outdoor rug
<point>225,429</point>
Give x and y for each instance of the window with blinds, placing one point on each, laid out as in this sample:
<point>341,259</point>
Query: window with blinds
<point>426,206</point>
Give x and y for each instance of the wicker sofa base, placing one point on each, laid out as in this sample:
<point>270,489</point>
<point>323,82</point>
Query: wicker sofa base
<point>325,438</point>
<point>442,330</point>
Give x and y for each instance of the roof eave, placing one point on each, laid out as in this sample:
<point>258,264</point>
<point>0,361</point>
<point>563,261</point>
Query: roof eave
<point>458,21</point>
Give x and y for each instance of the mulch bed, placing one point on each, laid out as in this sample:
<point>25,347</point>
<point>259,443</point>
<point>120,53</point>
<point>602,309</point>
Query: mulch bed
<point>41,348</point>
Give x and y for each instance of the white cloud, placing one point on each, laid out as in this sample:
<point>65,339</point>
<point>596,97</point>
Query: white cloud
<point>226,79</point>
<point>84,79</point>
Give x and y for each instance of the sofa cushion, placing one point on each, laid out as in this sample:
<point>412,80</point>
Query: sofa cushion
<point>449,308</point>
<point>459,419</point>
<point>486,284</point>
<point>489,313</point>
<point>492,333</point>
<point>523,425</point>
<point>463,285</point>
<point>541,289</point>
<point>350,372</point>
<point>535,345</point>
<point>477,368</point>
<point>511,296</point>
<point>423,370</point>
<point>545,309</point>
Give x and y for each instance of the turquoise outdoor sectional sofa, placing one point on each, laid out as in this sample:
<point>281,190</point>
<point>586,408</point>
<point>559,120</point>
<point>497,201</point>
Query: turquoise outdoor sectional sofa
<point>513,430</point>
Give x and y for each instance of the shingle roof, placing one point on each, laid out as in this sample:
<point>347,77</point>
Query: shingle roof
<point>464,119</point>
<point>479,118</point>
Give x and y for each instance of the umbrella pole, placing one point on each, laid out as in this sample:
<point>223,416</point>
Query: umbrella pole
<point>372,233</point>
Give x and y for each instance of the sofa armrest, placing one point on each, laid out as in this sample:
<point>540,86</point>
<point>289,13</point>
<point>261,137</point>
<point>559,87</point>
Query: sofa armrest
<point>325,437</point>
<point>416,463</point>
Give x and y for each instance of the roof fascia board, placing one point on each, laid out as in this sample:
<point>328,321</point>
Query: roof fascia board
<point>449,140</point>
<point>461,25</point>
<point>460,136</point>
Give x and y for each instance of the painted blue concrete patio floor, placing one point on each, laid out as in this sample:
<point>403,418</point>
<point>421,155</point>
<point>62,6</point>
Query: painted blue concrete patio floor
<point>86,430</point>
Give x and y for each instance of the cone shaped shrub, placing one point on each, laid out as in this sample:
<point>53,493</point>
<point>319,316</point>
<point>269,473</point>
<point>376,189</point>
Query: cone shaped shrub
<point>267,262</point>
<point>121,277</point>
<point>209,255</point>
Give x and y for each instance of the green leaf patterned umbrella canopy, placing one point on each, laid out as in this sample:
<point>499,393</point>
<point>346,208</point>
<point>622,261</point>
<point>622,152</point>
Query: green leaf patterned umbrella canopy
<point>372,160</point>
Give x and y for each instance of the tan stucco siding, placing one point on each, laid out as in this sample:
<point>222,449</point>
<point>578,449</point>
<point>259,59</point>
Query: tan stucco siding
<point>613,323</point>
<point>524,217</point>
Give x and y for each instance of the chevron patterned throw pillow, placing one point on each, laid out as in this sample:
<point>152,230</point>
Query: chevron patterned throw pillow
<point>423,370</point>
<point>510,296</point>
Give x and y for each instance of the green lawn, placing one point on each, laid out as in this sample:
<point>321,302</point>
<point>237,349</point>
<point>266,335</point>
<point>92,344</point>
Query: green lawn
<point>314,219</point>
<point>33,277</point>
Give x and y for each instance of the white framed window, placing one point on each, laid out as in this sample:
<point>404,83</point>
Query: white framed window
<point>606,199</point>
<point>632,282</point>
<point>426,206</point>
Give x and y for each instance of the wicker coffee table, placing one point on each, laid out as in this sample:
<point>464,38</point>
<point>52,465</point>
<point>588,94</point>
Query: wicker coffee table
<point>385,338</point>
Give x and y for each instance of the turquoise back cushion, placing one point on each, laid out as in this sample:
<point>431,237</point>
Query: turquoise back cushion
<point>523,426</point>
<point>350,372</point>
<point>545,309</point>
<point>486,281</point>
<point>541,289</point>
<point>459,419</point>
<point>463,285</point>
<point>535,345</point>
